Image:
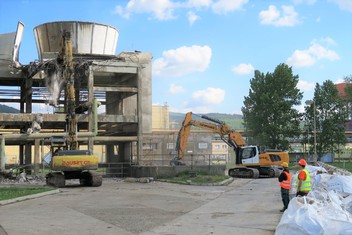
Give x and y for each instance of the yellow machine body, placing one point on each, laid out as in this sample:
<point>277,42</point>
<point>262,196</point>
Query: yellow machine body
<point>74,160</point>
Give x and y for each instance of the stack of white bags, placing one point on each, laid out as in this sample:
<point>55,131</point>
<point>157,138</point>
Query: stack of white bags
<point>326,210</point>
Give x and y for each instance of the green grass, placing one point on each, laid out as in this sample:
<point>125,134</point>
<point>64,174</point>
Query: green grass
<point>14,192</point>
<point>195,177</point>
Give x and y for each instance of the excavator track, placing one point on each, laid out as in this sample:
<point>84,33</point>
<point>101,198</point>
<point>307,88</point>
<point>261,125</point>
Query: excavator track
<point>91,178</point>
<point>244,172</point>
<point>55,179</point>
<point>269,172</point>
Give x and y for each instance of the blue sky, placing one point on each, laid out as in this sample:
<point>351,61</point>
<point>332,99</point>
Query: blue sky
<point>205,51</point>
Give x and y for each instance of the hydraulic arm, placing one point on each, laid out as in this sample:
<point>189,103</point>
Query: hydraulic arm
<point>231,137</point>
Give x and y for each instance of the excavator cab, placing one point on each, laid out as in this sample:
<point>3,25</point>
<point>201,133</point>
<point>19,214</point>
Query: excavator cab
<point>249,155</point>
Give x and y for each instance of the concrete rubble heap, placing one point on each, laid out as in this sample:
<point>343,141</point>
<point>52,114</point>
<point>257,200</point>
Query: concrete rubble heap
<point>327,209</point>
<point>8,177</point>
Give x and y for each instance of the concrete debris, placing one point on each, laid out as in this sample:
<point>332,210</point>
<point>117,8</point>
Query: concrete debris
<point>6,173</point>
<point>332,169</point>
<point>327,209</point>
<point>22,178</point>
<point>38,120</point>
<point>139,180</point>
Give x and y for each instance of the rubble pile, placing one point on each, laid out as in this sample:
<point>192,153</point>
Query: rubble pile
<point>8,177</point>
<point>327,209</point>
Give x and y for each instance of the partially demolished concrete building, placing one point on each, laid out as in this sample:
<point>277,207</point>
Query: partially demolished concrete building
<point>120,83</point>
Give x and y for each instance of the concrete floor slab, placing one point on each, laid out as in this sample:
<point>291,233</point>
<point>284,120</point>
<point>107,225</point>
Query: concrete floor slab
<point>246,206</point>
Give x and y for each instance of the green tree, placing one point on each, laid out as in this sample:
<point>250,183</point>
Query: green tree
<point>348,94</point>
<point>330,113</point>
<point>268,110</point>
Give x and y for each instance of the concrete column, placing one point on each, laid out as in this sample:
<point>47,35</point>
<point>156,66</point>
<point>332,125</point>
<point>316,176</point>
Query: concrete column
<point>112,158</point>
<point>42,157</point>
<point>90,113</point>
<point>28,95</point>
<point>2,154</point>
<point>21,154</point>
<point>145,90</point>
<point>23,88</point>
<point>127,149</point>
<point>140,118</point>
<point>109,150</point>
<point>28,100</point>
<point>28,158</point>
<point>36,156</point>
<point>144,100</point>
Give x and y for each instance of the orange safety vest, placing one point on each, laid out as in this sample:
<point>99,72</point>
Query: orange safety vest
<point>286,184</point>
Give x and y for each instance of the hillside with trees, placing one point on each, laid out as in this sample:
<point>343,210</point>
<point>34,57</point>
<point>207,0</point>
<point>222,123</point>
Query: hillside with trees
<point>8,109</point>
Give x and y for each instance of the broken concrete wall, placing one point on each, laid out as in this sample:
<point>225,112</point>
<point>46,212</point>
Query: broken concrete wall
<point>10,44</point>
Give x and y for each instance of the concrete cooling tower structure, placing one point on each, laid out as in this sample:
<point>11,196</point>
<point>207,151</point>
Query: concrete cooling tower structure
<point>121,84</point>
<point>88,38</point>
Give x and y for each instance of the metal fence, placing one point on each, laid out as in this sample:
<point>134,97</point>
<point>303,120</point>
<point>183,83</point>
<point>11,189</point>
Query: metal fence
<point>189,160</point>
<point>118,169</point>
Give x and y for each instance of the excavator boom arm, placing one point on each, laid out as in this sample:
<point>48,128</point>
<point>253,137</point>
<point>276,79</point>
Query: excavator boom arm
<point>234,139</point>
<point>183,135</point>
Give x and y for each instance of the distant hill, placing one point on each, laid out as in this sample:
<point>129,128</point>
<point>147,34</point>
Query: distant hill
<point>233,120</point>
<point>8,109</point>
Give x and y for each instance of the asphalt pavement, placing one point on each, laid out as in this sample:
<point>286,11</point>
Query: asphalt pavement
<point>245,206</point>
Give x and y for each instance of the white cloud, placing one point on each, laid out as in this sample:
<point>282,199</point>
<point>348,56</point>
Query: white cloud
<point>301,58</point>
<point>183,60</point>
<point>209,95</point>
<point>323,53</point>
<point>164,9</point>
<point>192,17</point>
<point>175,89</point>
<point>305,85</point>
<point>202,101</point>
<point>328,41</point>
<point>339,80</point>
<point>343,4</point>
<point>301,108</point>
<point>225,6</point>
<point>272,16</point>
<point>310,2</point>
<point>187,108</point>
<point>199,3</point>
<point>243,69</point>
<point>306,58</point>
<point>161,9</point>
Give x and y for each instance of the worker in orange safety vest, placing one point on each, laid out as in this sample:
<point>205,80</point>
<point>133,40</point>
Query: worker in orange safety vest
<point>285,184</point>
<point>303,179</point>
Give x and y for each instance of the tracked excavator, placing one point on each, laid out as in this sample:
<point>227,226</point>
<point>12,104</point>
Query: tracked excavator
<point>67,161</point>
<point>250,163</point>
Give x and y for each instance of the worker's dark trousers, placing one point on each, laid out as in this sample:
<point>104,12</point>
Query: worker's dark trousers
<point>285,195</point>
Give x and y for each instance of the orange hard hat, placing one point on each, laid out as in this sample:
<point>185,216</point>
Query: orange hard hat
<point>302,162</point>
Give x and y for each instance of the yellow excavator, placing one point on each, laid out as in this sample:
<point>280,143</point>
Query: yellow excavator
<point>250,162</point>
<point>67,161</point>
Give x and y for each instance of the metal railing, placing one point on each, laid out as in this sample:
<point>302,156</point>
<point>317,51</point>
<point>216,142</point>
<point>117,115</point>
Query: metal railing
<point>189,160</point>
